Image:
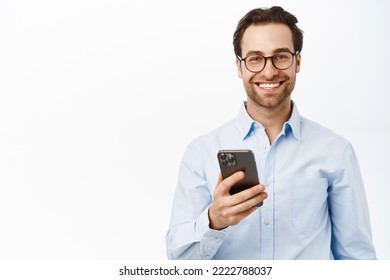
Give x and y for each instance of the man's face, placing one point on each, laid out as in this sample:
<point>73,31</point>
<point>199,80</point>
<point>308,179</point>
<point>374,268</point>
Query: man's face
<point>270,87</point>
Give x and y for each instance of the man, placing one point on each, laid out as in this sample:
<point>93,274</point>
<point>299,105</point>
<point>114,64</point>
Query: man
<point>314,205</point>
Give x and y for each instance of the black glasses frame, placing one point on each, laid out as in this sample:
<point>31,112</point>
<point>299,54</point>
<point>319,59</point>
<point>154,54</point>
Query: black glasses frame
<point>266,59</point>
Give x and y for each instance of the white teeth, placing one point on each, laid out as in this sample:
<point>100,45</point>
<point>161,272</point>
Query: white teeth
<point>269,85</point>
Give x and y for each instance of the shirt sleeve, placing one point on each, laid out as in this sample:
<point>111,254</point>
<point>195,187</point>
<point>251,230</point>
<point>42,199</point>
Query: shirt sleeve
<point>189,235</point>
<point>351,230</point>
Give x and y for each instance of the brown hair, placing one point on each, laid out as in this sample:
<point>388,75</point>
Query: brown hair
<point>272,15</point>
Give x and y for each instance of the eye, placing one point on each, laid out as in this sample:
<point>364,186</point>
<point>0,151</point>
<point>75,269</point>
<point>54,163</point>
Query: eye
<point>255,59</point>
<point>282,56</point>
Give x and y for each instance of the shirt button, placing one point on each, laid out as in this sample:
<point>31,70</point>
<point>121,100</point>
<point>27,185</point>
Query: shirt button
<point>267,183</point>
<point>267,222</point>
<point>219,238</point>
<point>252,133</point>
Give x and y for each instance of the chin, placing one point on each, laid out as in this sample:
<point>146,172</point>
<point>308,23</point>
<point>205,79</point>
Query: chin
<point>268,101</point>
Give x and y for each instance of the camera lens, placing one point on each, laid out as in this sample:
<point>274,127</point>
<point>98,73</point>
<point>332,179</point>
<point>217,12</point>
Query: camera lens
<point>225,162</point>
<point>223,156</point>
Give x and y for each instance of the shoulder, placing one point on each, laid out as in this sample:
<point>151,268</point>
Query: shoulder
<point>311,126</point>
<point>320,135</point>
<point>201,153</point>
<point>223,132</point>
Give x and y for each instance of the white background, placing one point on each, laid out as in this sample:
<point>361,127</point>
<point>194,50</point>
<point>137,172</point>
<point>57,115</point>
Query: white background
<point>99,98</point>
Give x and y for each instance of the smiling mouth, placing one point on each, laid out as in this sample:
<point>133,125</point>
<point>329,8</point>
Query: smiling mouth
<point>269,85</point>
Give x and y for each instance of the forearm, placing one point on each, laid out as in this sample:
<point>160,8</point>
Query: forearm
<point>193,240</point>
<point>351,230</point>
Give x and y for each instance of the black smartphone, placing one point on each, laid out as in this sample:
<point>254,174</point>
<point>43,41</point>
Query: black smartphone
<point>232,161</point>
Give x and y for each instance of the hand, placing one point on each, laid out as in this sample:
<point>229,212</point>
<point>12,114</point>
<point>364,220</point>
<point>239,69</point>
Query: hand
<point>227,210</point>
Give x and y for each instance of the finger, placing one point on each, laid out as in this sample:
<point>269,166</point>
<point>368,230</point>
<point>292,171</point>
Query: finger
<point>219,178</point>
<point>225,185</point>
<point>240,216</point>
<point>243,207</point>
<point>246,194</point>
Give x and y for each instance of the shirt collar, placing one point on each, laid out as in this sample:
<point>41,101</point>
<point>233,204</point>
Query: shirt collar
<point>294,122</point>
<point>246,124</point>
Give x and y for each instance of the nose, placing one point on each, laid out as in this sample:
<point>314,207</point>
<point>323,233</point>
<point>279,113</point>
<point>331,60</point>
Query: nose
<point>269,70</point>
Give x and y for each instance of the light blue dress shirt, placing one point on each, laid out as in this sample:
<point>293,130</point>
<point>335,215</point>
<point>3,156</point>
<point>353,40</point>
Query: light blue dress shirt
<point>316,206</point>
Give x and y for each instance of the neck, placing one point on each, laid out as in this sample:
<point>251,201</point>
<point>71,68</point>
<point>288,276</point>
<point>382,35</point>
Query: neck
<point>272,119</point>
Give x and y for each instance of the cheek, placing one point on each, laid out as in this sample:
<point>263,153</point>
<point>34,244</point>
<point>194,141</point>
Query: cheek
<point>247,76</point>
<point>290,75</point>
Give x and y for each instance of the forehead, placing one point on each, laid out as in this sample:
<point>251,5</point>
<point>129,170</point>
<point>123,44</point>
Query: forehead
<point>267,38</point>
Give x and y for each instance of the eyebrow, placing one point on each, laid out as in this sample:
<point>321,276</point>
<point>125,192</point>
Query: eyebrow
<point>278,50</point>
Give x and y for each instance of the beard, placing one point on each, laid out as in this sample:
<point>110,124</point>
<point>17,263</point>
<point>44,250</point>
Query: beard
<point>272,99</point>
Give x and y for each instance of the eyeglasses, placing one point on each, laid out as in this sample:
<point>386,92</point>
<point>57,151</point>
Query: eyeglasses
<point>256,62</point>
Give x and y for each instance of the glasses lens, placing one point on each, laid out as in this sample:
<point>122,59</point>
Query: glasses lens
<point>255,62</point>
<point>282,60</point>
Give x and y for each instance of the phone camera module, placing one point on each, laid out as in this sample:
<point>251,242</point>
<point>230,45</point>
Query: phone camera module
<point>228,159</point>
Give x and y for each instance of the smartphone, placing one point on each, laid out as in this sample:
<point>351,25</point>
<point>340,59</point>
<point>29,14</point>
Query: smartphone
<point>232,161</point>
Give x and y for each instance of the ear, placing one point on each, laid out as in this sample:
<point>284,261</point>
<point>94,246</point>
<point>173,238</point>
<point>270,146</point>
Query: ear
<point>298,62</point>
<point>239,68</point>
